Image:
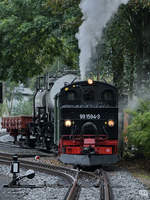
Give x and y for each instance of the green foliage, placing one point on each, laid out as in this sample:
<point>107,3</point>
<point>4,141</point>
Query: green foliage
<point>37,36</point>
<point>14,98</point>
<point>34,34</point>
<point>23,108</point>
<point>3,109</point>
<point>126,47</point>
<point>139,129</point>
<point>0,110</point>
<point>10,94</point>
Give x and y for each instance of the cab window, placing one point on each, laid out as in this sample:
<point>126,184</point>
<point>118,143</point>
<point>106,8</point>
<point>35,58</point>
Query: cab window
<point>108,97</point>
<point>71,96</point>
<point>88,95</point>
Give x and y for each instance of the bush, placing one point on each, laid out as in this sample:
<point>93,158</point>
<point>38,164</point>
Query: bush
<point>139,129</point>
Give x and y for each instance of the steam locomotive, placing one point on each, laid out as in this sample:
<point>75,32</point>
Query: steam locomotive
<point>78,118</point>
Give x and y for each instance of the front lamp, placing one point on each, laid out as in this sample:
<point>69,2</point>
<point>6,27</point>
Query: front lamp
<point>111,123</point>
<point>90,81</point>
<point>66,89</point>
<point>68,123</point>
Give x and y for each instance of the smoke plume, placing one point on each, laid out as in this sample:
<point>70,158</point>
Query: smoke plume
<point>96,14</point>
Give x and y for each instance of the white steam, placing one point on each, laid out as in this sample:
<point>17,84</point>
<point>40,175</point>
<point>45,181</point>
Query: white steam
<point>96,14</point>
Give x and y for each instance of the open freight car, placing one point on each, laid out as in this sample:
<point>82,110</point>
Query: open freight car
<point>17,125</point>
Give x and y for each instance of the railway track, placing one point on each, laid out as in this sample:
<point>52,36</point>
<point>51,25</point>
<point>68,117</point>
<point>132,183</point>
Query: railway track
<point>77,179</point>
<point>71,176</point>
<point>104,186</point>
<point>11,149</point>
<point>9,145</point>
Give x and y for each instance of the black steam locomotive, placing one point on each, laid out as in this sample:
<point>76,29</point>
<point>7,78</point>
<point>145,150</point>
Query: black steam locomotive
<point>87,123</point>
<point>78,118</point>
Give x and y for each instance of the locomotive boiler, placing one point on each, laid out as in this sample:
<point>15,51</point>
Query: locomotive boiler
<point>38,130</point>
<point>42,128</point>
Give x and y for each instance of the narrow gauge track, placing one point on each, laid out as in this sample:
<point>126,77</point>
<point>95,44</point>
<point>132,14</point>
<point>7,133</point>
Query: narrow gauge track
<point>9,144</point>
<point>12,149</point>
<point>73,188</point>
<point>98,180</point>
<point>18,145</point>
<point>77,179</point>
<point>105,188</point>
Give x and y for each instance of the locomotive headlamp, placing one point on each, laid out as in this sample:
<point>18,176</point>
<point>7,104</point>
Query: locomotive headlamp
<point>111,123</point>
<point>68,123</point>
<point>66,89</point>
<point>90,81</point>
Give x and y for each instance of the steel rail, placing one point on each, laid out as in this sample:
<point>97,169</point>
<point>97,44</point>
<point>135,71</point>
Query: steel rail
<point>36,166</point>
<point>26,163</point>
<point>105,189</point>
<point>72,176</point>
<point>73,190</point>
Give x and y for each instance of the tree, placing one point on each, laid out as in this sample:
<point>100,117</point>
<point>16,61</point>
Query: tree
<point>117,43</point>
<point>126,46</point>
<point>23,108</point>
<point>34,34</point>
<point>10,96</point>
<point>138,16</point>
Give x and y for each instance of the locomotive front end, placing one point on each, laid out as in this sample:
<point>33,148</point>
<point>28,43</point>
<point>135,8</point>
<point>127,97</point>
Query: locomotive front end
<point>87,129</point>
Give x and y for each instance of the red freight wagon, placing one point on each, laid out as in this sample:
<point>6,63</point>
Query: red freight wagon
<point>16,125</point>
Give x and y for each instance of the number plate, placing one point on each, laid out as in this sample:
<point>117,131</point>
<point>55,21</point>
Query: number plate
<point>90,116</point>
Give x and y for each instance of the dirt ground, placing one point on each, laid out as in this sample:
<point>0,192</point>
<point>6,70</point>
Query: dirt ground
<point>139,169</point>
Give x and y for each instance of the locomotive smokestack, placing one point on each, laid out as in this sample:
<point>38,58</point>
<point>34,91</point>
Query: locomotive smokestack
<point>96,14</point>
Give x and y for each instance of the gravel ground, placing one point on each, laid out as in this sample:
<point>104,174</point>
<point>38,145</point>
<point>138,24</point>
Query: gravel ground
<point>88,189</point>
<point>126,187</point>
<point>5,137</point>
<point>91,193</point>
<point>54,189</point>
<point>3,194</point>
